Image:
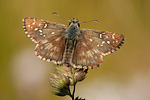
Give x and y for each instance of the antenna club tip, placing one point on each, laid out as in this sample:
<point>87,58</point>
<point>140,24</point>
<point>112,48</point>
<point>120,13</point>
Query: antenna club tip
<point>54,13</point>
<point>96,21</point>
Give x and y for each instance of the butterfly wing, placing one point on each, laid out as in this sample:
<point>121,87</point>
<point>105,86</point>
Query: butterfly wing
<point>106,42</point>
<point>93,44</point>
<point>49,36</point>
<point>85,55</point>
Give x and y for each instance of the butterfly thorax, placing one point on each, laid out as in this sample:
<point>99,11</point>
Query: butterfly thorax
<point>73,29</point>
<point>72,32</point>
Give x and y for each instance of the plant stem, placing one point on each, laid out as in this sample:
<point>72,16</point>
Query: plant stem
<point>70,92</point>
<point>74,86</point>
<point>72,95</point>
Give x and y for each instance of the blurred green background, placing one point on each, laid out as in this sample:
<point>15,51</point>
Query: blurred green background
<point>124,75</point>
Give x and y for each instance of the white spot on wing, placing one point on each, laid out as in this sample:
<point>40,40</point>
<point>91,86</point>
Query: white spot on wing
<point>85,67</point>
<point>113,36</point>
<point>45,25</point>
<point>108,42</point>
<point>28,35</point>
<point>44,59</point>
<point>36,29</point>
<point>28,25</point>
<point>112,50</point>
<point>39,56</point>
<point>58,62</point>
<point>109,52</point>
<point>23,20</point>
<point>91,40</point>
<point>100,36</point>
<point>44,35</point>
<point>104,54</point>
<point>52,32</point>
<point>33,21</point>
<point>103,42</point>
<point>54,61</point>
<point>26,32</point>
<point>40,30</point>
<point>48,60</point>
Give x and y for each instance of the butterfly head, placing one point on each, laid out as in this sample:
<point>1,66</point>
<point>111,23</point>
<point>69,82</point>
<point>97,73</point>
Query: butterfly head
<point>74,23</point>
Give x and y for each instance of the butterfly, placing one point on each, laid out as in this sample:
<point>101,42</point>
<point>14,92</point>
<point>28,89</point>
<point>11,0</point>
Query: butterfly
<point>72,46</point>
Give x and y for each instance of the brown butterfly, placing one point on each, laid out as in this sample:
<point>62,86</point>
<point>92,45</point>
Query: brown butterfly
<point>80,48</point>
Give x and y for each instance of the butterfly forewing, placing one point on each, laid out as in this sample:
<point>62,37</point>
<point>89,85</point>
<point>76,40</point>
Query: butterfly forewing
<point>105,42</point>
<point>38,29</point>
<point>49,36</point>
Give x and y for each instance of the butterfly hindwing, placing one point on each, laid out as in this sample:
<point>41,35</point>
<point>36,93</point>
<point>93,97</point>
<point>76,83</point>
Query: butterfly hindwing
<point>51,50</point>
<point>85,55</point>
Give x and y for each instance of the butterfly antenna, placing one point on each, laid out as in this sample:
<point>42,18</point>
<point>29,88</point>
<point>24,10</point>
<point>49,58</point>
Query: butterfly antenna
<point>54,13</point>
<point>90,21</point>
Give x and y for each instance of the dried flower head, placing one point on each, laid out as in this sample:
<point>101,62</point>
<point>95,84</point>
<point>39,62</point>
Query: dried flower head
<point>65,77</point>
<point>60,83</point>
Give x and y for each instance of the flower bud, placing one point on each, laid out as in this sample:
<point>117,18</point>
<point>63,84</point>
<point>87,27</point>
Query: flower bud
<point>80,74</point>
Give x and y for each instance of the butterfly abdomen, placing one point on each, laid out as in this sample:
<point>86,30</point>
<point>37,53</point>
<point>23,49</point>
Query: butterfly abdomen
<point>67,56</point>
